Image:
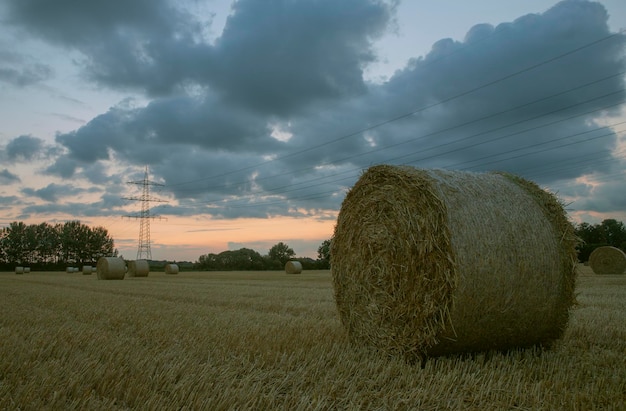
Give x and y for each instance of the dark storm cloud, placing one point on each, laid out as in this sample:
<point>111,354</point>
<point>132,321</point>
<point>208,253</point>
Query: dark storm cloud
<point>7,177</point>
<point>153,134</point>
<point>141,43</point>
<point>272,56</point>
<point>523,96</point>
<point>533,85</point>
<point>277,55</point>
<point>24,148</point>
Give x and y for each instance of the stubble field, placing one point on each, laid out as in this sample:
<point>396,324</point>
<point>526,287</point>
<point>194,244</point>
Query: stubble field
<point>268,340</point>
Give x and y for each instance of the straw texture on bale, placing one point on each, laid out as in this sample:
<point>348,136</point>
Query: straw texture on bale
<point>19,270</point>
<point>293,267</point>
<point>110,268</point>
<point>607,260</point>
<point>434,262</point>
<point>138,268</point>
<point>87,270</point>
<point>171,269</point>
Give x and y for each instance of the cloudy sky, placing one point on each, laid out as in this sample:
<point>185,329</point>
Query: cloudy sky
<point>255,117</point>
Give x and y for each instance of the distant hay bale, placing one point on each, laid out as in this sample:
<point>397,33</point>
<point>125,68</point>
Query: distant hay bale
<point>69,269</point>
<point>26,270</point>
<point>171,269</point>
<point>607,260</point>
<point>138,268</point>
<point>19,270</point>
<point>87,270</point>
<point>110,268</point>
<point>293,267</point>
<point>434,262</point>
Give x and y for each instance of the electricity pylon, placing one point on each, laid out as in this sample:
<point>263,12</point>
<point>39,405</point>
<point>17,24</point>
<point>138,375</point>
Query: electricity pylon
<point>143,250</point>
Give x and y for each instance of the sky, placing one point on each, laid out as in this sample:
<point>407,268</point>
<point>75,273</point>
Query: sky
<point>254,118</point>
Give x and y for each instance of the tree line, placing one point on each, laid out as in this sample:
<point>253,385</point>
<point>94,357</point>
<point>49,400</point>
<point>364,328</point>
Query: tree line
<point>276,258</point>
<point>609,232</point>
<point>46,246</point>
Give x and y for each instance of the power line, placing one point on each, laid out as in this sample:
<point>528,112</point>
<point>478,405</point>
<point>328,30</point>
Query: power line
<point>406,115</point>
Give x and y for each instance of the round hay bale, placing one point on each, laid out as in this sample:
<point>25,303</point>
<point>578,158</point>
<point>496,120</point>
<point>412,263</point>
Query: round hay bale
<point>607,260</point>
<point>138,268</point>
<point>87,270</point>
<point>69,269</point>
<point>293,267</point>
<point>19,270</point>
<point>26,270</point>
<point>110,268</point>
<point>433,262</point>
<point>171,269</point>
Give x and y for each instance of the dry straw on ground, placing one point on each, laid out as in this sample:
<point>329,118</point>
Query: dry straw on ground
<point>293,267</point>
<point>110,268</point>
<point>607,260</point>
<point>171,269</point>
<point>138,268</point>
<point>433,262</point>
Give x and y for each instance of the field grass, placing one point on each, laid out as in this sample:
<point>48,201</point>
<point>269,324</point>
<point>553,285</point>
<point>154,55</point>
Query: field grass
<point>268,340</point>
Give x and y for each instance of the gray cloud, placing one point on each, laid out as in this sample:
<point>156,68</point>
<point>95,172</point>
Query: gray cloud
<point>21,70</point>
<point>279,55</point>
<point>24,148</point>
<point>7,177</point>
<point>55,192</point>
<point>272,56</point>
<point>522,96</point>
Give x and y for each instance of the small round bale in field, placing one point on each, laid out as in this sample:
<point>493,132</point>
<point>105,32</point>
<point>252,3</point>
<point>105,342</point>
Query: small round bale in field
<point>293,267</point>
<point>435,262</point>
<point>138,268</point>
<point>19,270</point>
<point>69,269</point>
<point>171,269</point>
<point>26,270</point>
<point>607,260</point>
<point>87,270</point>
<point>110,268</point>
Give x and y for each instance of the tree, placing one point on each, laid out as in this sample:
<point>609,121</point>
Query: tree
<point>609,232</point>
<point>323,254</point>
<point>14,243</point>
<point>100,244</point>
<point>281,252</point>
<point>613,231</point>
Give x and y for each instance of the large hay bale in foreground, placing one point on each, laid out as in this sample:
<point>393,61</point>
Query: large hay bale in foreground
<point>171,269</point>
<point>110,268</point>
<point>138,268</point>
<point>433,262</point>
<point>607,260</point>
<point>293,267</point>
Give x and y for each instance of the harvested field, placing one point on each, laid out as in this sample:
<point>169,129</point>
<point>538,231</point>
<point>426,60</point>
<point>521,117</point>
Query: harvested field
<point>264,340</point>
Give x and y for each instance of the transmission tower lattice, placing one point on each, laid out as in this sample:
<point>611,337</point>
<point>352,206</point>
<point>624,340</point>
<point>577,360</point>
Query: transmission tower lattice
<point>143,250</point>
